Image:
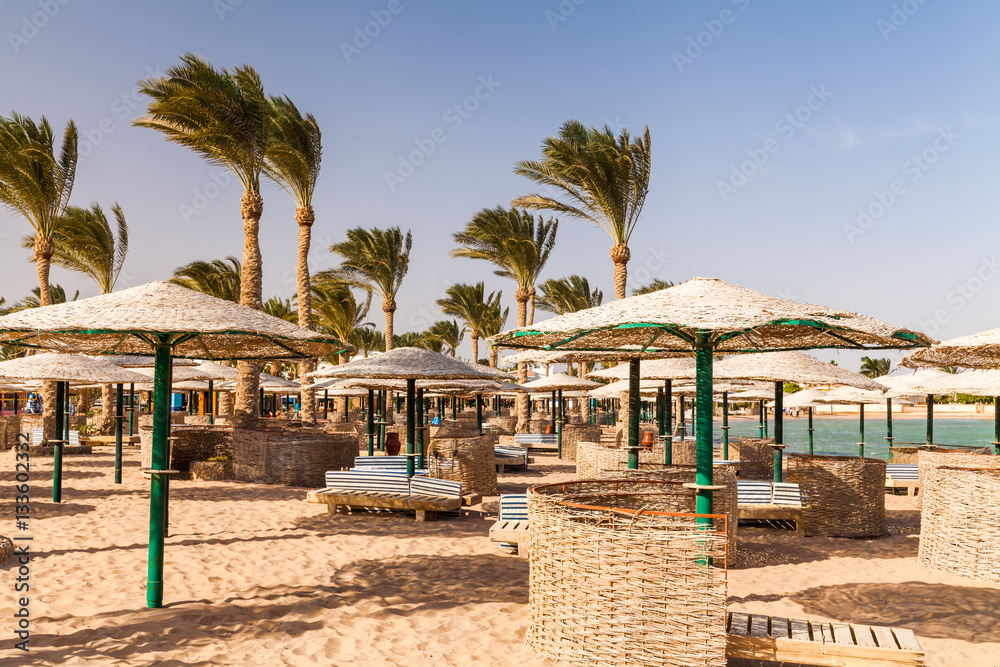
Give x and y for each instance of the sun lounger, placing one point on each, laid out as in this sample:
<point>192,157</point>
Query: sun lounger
<point>510,456</point>
<point>372,489</point>
<point>903,475</point>
<point>511,529</point>
<point>537,442</point>
<point>770,501</point>
<point>800,641</point>
<point>36,437</point>
<point>384,463</point>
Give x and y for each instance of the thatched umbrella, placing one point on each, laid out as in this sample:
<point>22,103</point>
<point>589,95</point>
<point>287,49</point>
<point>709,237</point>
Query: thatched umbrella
<point>63,369</point>
<point>705,317</point>
<point>923,381</point>
<point>138,361</point>
<point>411,364</point>
<point>167,320</point>
<point>557,383</point>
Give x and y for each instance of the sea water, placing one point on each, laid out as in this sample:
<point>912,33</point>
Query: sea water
<point>840,435</point>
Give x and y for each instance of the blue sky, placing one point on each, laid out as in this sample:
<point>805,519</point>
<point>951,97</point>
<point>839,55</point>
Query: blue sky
<point>837,153</point>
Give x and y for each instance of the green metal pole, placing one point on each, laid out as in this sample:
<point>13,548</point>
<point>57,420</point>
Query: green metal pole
<point>668,439</point>
<point>861,423</point>
<point>66,416</point>
<point>779,428</point>
<point>661,429</point>
<point>211,402</point>
<point>760,427</point>
<point>763,411</point>
<point>326,404</point>
<point>810,429</point>
<point>680,415</point>
<point>57,446</point>
<point>888,427</point>
<point>371,422</point>
<point>131,409</point>
<point>157,496</point>
<point>420,433</point>
<point>633,414</point>
<point>725,425</point>
<point>930,419</point>
<point>703,445</point>
<point>119,418</point>
<point>996,426</point>
<point>560,418</point>
<point>454,408</point>
<point>479,413</point>
<point>411,390</point>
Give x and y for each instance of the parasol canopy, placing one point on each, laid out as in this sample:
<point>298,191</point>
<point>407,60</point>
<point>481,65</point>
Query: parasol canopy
<point>562,381</point>
<point>64,367</point>
<point>406,363</point>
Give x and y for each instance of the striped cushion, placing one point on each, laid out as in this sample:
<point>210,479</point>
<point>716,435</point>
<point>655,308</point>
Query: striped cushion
<point>535,439</point>
<point>902,471</point>
<point>753,493</point>
<point>74,438</point>
<point>511,452</point>
<point>428,486</point>
<point>386,462</point>
<point>365,481</point>
<point>514,507</point>
<point>787,494</point>
<point>36,437</point>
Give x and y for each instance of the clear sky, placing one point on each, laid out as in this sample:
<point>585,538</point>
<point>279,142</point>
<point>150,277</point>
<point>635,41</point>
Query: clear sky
<point>841,153</point>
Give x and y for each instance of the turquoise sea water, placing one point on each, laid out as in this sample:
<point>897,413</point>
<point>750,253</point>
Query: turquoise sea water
<point>840,435</point>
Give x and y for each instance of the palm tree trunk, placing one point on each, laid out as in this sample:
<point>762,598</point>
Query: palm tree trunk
<point>44,247</point>
<point>620,255</point>
<point>493,357</point>
<point>388,307</point>
<point>247,408</point>
<point>107,424</point>
<point>522,295</point>
<point>305,217</point>
<point>531,306</point>
<point>475,347</point>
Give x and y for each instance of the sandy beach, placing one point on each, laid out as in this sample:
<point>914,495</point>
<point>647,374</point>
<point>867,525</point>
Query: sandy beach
<point>256,576</point>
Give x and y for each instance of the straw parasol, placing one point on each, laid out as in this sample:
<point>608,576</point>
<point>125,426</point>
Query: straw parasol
<point>167,320</point>
<point>411,364</point>
<point>922,381</point>
<point>557,383</point>
<point>141,360</point>
<point>705,316</point>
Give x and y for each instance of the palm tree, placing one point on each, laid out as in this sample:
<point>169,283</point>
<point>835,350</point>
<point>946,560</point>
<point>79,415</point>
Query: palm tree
<point>374,259</point>
<point>84,243</point>
<point>449,333</point>
<point>493,322</point>
<point>473,305</point>
<point>224,118</point>
<point>954,370</point>
<point>293,158</point>
<point>368,339</point>
<point>654,286</point>
<point>281,308</point>
<point>220,278</point>
<point>874,368</point>
<point>36,184</point>
<point>568,295</point>
<point>603,178</point>
<point>515,244</point>
<point>336,309</point>
<point>409,339</point>
<point>57,294</point>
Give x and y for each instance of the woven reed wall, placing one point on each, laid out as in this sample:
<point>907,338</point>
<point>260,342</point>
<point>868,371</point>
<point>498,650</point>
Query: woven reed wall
<point>928,460</point>
<point>452,429</point>
<point>504,424</point>
<point>593,459</point>
<point>146,419</point>
<point>842,496</point>
<point>960,519</point>
<point>573,434</point>
<point>470,461</point>
<point>755,455</point>
<point>293,457</point>
<point>10,426</point>
<point>910,454</point>
<point>30,422</point>
<point>614,588</point>
<point>193,443</point>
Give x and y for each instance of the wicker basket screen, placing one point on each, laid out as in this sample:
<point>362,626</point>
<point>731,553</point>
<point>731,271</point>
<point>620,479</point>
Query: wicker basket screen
<point>610,585</point>
<point>927,460</point>
<point>470,461</point>
<point>592,459</point>
<point>574,434</point>
<point>756,457</point>
<point>960,521</point>
<point>842,496</point>
<point>910,453</point>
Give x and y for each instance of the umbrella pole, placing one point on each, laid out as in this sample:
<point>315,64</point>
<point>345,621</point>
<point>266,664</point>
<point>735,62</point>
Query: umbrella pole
<point>347,410</point>
<point>326,404</point>
<point>66,419</point>
<point>810,430</point>
<point>861,434</point>
<point>211,402</point>
<point>420,425</point>
<point>57,445</point>
<point>411,389</point>
<point>680,415</point>
<point>779,428</point>
<point>888,425</point>
<point>996,426</point>
<point>703,444</point>
<point>660,428</point>
<point>725,426</point>
<point>760,422</point>
<point>131,409</point>
<point>668,439</point>
<point>119,418</point>
<point>371,422</point>
<point>479,413</point>
<point>930,419</point>
<point>633,414</point>
<point>158,486</point>
<point>454,408</point>
<point>560,418</point>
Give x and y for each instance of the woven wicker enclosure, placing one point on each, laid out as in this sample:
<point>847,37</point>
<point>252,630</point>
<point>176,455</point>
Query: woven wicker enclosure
<point>10,426</point>
<point>928,460</point>
<point>191,443</point>
<point>910,453</point>
<point>619,576</point>
<point>842,496</point>
<point>470,461</point>
<point>573,434</point>
<point>960,520</point>
<point>293,457</point>
<point>756,457</point>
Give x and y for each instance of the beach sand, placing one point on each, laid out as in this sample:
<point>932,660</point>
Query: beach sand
<point>257,576</point>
